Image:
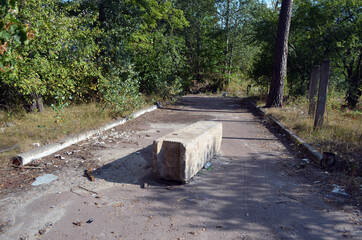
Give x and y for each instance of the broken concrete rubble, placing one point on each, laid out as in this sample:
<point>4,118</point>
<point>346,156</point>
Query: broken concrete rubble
<point>45,179</point>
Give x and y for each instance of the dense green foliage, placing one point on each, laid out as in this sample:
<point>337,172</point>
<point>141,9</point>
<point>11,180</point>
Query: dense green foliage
<point>319,30</point>
<point>112,51</point>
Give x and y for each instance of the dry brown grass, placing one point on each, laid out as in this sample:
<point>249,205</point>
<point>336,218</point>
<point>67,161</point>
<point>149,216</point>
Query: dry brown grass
<point>27,129</point>
<point>341,132</point>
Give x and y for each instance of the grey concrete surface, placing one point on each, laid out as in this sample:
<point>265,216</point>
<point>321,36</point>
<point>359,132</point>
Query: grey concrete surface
<point>250,192</point>
<point>179,155</point>
<point>300,143</point>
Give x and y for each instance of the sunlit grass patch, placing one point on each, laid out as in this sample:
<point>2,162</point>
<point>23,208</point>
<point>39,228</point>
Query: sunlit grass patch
<point>25,131</point>
<point>341,132</point>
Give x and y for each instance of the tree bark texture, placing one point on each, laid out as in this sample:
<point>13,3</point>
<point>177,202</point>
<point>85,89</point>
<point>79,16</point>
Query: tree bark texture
<point>322,93</point>
<point>227,16</point>
<point>36,102</point>
<point>275,97</point>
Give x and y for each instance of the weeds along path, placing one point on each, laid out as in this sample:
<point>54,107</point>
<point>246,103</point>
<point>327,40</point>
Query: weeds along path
<point>257,187</point>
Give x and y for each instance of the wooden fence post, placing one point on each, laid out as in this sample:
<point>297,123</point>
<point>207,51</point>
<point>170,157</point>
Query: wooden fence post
<point>313,88</point>
<point>322,93</point>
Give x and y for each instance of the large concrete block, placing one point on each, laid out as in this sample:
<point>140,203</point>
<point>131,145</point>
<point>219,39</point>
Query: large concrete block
<point>178,156</point>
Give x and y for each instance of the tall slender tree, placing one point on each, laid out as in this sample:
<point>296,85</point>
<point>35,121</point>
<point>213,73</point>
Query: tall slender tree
<point>276,92</point>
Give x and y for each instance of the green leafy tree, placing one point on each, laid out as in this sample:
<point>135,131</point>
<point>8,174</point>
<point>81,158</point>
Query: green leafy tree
<point>319,30</point>
<point>13,33</point>
<point>157,49</point>
<point>203,39</point>
<point>263,35</point>
<point>140,36</point>
<point>59,59</point>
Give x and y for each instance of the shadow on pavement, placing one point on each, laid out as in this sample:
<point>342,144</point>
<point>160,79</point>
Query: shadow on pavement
<point>249,194</point>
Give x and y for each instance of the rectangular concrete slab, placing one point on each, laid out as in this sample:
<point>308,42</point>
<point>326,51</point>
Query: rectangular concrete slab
<point>178,156</point>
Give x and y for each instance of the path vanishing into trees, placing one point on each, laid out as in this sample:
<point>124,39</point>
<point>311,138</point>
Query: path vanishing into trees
<point>252,191</point>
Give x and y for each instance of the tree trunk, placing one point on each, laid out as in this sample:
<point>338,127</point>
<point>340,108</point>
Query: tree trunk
<point>36,102</point>
<point>322,93</point>
<point>354,81</point>
<point>230,61</point>
<point>275,98</point>
<point>102,14</point>
<point>227,16</point>
<point>313,89</point>
<point>198,53</point>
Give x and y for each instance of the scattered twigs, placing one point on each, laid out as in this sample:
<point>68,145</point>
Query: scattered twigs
<point>80,195</point>
<point>87,190</point>
<point>83,188</point>
<point>27,167</point>
<point>180,199</point>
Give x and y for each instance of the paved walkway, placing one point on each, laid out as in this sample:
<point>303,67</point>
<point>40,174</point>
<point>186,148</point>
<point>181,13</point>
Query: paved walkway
<point>247,193</point>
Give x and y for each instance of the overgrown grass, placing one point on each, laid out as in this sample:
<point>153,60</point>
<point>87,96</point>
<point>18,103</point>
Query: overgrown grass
<point>27,130</point>
<point>341,132</point>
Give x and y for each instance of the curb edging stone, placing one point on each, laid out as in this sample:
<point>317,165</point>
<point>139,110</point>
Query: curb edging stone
<point>36,153</point>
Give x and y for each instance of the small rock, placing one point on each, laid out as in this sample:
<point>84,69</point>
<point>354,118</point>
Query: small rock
<point>36,144</point>
<point>145,185</point>
<point>9,124</point>
<point>338,190</point>
<point>49,224</point>
<point>207,166</point>
<point>59,156</point>
<point>45,179</point>
<point>41,231</point>
<point>300,166</point>
<point>90,220</point>
<point>305,160</point>
<point>159,105</point>
<point>77,223</point>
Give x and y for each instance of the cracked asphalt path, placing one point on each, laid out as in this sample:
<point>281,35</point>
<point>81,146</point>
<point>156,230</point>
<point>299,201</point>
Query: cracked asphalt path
<point>247,194</point>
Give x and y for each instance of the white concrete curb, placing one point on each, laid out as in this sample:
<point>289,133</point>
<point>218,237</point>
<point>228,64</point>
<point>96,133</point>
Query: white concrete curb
<point>27,157</point>
<point>300,143</point>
